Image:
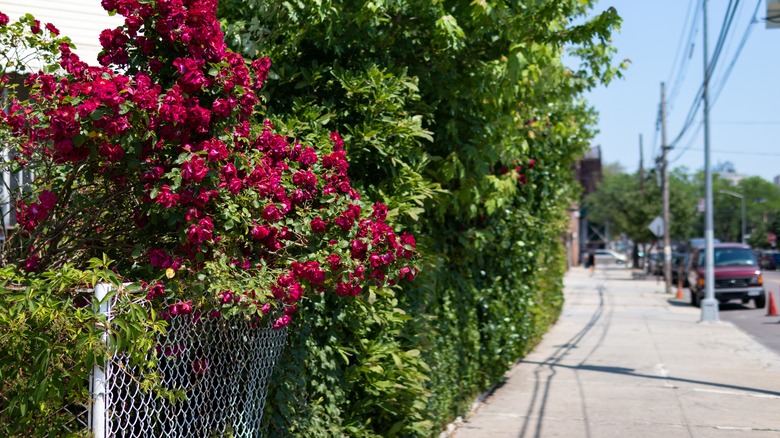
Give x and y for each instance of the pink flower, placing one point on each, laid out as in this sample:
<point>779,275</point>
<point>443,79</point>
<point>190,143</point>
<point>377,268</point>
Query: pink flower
<point>166,198</point>
<point>50,27</point>
<point>522,180</point>
<point>215,150</point>
<point>235,185</point>
<point>308,156</point>
<point>294,293</point>
<point>113,152</point>
<point>343,289</point>
<point>335,262</point>
<point>271,213</point>
<point>3,19</point>
<point>261,67</point>
<point>305,179</point>
<point>31,264</point>
<point>282,322</point>
<point>260,232</point>
<point>181,308</point>
<point>192,78</point>
<point>204,196</point>
<point>407,273</point>
<point>200,232</point>
<point>225,297</point>
<point>318,225</point>
<point>338,142</point>
<point>194,170</point>
<point>358,249</point>
<point>380,211</point>
<point>200,366</point>
<point>375,260</point>
<point>159,258</point>
<point>157,290</point>
<point>35,27</point>
<point>47,199</point>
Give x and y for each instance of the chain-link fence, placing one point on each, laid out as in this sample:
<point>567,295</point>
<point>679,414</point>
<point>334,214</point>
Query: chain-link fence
<point>221,366</point>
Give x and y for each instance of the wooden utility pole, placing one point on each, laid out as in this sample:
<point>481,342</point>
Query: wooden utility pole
<point>665,182</point>
<point>641,167</point>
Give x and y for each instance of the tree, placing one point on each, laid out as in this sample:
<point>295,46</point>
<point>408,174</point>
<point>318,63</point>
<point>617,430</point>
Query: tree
<point>762,202</point>
<point>628,209</point>
<point>619,201</point>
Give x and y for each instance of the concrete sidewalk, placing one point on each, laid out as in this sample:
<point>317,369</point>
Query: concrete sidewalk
<point>627,360</point>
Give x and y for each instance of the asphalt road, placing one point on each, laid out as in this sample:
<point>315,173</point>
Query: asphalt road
<point>765,329</point>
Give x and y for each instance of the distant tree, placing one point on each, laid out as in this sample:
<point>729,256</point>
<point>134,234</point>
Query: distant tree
<point>762,205</point>
<point>629,208</point>
<point>683,198</point>
<point>762,208</point>
<point>619,201</point>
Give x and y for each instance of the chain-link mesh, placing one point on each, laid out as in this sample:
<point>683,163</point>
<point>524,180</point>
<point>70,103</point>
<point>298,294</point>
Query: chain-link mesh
<point>221,366</point>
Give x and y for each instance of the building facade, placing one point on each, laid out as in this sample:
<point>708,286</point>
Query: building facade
<point>80,20</point>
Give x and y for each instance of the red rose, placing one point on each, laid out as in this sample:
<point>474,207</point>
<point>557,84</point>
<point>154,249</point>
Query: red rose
<point>318,225</point>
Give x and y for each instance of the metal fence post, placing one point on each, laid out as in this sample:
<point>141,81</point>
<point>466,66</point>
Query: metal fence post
<point>98,417</point>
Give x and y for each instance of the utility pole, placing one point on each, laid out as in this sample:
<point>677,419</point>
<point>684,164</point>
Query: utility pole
<point>709,305</point>
<point>641,167</point>
<point>665,179</point>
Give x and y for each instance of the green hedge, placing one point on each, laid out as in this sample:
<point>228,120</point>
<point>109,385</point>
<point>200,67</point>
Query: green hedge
<point>463,119</point>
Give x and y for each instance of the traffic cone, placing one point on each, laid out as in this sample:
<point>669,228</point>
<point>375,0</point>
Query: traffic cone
<point>772,309</point>
<point>679,288</point>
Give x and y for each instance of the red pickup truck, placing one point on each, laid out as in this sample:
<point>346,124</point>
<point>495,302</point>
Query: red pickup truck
<point>737,275</point>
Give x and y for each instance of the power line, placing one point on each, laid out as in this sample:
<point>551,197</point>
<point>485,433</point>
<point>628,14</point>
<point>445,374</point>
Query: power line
<point>766,123</point>
<point>688,46</point>
<point>722,83</point>
<point>730,42</point>
<point>755,154</point>
<point>742,42</point>
<point>687,147</point>
<point>728,20</point>
<point>724,30</point>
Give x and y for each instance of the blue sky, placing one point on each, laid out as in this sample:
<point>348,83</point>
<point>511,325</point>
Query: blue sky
<point>744,118</point>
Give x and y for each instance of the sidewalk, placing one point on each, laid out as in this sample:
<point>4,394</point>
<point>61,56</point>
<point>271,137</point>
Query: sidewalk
<point>627,360</point>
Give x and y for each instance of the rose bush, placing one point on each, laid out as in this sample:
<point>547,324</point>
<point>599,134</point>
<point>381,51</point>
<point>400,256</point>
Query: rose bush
<point>160,159</point>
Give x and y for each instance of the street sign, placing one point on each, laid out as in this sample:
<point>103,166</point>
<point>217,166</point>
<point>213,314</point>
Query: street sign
<point>657,226</point>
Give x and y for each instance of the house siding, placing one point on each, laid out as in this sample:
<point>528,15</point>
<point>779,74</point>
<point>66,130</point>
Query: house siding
<point>80,20</point>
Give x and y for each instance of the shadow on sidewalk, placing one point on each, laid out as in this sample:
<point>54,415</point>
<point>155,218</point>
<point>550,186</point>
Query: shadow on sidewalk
<point>551,364</point>
<point>677,303</point>
<point>541,394</point>
<point>630,372</point>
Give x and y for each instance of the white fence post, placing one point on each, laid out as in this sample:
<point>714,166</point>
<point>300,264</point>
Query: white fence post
<point>98,384</point>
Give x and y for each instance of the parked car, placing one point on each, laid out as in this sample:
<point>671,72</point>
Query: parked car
<point>654,265</point>
<point>737,275</point>
<point>766,260</point>
<point>776,258</point>
<point>607,257</point>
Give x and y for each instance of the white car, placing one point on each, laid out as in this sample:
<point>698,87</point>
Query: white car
<point>607,257</point>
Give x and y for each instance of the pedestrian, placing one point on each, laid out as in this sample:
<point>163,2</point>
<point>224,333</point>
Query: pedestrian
<point>592,262</point>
